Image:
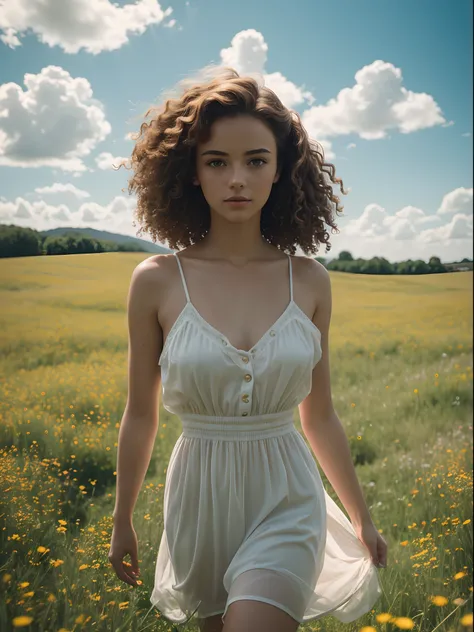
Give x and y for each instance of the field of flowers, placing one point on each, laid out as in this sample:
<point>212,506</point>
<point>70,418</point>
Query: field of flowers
<point>401,372</point>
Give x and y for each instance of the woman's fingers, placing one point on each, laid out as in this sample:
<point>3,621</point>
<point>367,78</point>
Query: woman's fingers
<point>123,570</point>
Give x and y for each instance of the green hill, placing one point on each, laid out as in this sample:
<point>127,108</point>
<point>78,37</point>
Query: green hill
<point>146,245</point>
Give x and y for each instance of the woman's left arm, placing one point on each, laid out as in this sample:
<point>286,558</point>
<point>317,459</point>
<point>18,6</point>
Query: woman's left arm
<point>325,433</point>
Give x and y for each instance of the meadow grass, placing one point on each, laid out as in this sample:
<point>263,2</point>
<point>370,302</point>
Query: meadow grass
<point>401,372</point>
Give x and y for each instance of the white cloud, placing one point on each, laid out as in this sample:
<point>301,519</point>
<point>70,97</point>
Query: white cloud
<point>53,123</point>
<point>371,223</point>
<point>57,187</point>
<point>459,204</point>
<point>248,55</point>
<point>8,36</point>
<point>247,52</point>
<point>286,90</point>
<point>457,201</point>
<point>106,160</point>
<point>377,103</point>
<point>460,227</point>
<point>34,213</point>
<point>412,223</point>
<point>115,216</point>
<point>92,25</point>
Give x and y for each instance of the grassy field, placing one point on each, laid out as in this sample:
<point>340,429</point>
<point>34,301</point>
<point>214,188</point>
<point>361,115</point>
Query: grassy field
<point>401,370</point>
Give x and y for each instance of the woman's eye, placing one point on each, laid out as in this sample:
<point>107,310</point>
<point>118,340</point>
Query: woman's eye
<point>253,160</point>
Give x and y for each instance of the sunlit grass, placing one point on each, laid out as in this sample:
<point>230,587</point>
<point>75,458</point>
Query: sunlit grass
<point>401,370</point>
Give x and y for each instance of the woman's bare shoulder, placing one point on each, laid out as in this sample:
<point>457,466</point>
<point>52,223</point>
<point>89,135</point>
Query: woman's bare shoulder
<point>156,272</point>
<point>158,263</point>
<point>313,276</point>
<point>308,268</point>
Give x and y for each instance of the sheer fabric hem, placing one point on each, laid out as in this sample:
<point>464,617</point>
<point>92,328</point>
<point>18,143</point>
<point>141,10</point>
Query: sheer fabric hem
<point>263,600</point>
<point>281,589</point>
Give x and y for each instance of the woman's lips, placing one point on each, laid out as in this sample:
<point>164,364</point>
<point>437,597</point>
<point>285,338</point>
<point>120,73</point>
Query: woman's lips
<point>238,202</point>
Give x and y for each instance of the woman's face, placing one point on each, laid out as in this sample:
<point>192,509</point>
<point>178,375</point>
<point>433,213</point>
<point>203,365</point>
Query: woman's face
<point>224,168</point>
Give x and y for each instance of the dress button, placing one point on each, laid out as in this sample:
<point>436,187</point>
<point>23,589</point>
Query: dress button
<point>245,398</point>
<point>245,359</point>
<point>272,333</point>
<point>244,414</point>
<point>248,377</point>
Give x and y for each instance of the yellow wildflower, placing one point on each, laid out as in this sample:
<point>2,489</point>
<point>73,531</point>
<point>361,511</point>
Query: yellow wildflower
<point>21,621</point>
<point>383,617</point>
<point>467,620</point>
<point>404,623</point>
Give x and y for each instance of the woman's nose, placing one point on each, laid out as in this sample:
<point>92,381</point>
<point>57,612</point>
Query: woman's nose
<point>237,178</point>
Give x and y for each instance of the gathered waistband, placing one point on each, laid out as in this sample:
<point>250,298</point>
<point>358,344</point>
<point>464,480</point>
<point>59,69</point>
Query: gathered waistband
<point>238,428</point>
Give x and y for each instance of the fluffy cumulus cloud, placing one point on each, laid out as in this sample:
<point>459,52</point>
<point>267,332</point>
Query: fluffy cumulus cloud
<point>37,214</point>
<point>457,201</point>
<point>247,53</point>
<point>92,25</point>
<point>53,122</point>
<point>114,216</point>
<point>377,103</point>
<point>59,188</point>
<point>411,223</point>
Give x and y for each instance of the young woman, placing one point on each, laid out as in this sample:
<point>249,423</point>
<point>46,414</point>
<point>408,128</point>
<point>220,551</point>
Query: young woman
<point>233,331</point>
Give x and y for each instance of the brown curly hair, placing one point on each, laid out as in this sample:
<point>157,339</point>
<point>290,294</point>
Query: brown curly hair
<point>170,208</point>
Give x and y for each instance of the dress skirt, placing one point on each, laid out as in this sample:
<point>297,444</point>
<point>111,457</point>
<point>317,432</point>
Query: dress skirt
<point>246,516</point>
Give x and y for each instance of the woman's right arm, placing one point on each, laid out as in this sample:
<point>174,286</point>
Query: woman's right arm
<point>141,416</point>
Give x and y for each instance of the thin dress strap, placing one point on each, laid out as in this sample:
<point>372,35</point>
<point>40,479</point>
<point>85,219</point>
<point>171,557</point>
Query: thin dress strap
<point>182,277</point>
<point>291,278</point>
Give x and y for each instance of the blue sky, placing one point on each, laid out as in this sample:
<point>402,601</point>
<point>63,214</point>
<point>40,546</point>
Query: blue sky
<point>385,87</point>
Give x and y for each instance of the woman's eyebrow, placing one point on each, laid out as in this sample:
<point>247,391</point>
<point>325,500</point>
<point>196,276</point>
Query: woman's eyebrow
<point>262,150</point>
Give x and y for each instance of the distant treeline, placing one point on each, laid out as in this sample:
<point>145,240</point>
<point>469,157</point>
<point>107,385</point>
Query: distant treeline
<point>379,265</point>
<point>16,241</point>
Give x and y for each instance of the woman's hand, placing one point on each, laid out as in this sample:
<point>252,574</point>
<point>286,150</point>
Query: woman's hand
<point>369,535</point>
<point>124,540</point>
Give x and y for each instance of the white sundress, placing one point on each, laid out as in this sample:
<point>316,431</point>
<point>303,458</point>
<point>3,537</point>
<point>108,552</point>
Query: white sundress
<point>246,515</point>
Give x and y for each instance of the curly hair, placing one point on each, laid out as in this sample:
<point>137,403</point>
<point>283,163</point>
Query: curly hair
<point>170,208</point>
